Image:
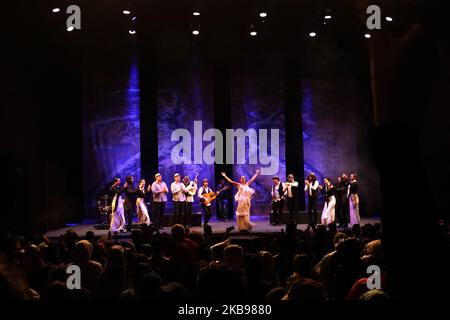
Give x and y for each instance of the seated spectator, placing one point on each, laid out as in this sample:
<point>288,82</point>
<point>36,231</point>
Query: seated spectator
<point>216,283</point>
<point>305,289</point>
<point>268,274</point>
<point>36,270</point>
<point>303,268</point>
<point>276,294</point>
<point>13,285</point>
<point>148,287</point>
<point>113,280</point>
<point>139,272</point>
<point>375,295</point>
<point>91,270</point>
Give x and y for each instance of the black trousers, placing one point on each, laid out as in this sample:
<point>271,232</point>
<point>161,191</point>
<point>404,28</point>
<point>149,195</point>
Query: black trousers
<point>178,212</point>
<point>159,212</point>
<point>207,212</point>
<point>277,212</point>
<point>342,211</point>
<point>129,212</point>
<point>292,208</point>
<point>187,213</point>
<point>312,210</point>
<point>222,208</point>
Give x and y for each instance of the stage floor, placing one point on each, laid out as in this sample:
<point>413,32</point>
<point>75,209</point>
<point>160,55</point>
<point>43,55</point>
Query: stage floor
<point>262,226</point>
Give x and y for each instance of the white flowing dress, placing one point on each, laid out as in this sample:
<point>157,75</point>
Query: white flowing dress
<point>328,212</point>
<point>118,216</point>
<point>143,217</point>
<point>354,209</point>
<point>243,198</point>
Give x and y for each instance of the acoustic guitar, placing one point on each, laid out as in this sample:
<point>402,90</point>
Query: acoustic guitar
<point>192,189</point>
<point>207,198</point>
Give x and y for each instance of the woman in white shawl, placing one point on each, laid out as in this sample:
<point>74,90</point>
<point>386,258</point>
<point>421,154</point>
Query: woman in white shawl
<point>142,211</point>
<point>243,198</point>
<point>118,216</point>
<point>353,197</point>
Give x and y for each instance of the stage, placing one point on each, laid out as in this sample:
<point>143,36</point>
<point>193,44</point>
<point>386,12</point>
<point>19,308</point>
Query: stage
<point>218,227</point>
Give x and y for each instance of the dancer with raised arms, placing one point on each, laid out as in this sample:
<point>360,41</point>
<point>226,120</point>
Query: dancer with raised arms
<point>243,198</point>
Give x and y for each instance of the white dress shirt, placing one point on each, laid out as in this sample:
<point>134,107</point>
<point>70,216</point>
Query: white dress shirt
<point>178,189</point>
<point>310,187</point>
<point>289,186</point>
<point>159,196</point>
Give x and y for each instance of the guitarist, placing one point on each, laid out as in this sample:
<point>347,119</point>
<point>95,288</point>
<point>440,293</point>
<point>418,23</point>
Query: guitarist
<point>191,190</point>
<point>206,205</point>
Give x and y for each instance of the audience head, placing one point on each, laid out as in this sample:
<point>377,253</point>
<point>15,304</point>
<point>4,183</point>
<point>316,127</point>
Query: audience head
<point>178,233</point>
<point>82,252</point>
<point>233,255</point>
<point>305,289</point>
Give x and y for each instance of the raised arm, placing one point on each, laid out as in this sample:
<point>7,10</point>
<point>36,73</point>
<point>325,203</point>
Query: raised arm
<point>229,180</point>
<point>195,179</point>
<point>253,178</point>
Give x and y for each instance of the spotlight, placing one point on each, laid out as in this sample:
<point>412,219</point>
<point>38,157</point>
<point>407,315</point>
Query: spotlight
<point>195,13</point>
<point>327,17</point>
<point>131,31</point>
<point>55,10</point>
<point>389,19</point>
<point>263,14</point>
<point>312,34</point>
<point>195,32</point>
<point>126,12</point>
<point>253,30</point>
<point>70,28</point>
<point>367,36</point>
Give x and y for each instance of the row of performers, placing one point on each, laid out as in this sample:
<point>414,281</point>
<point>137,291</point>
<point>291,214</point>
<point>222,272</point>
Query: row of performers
<point>341,199</point>
<point>128,199</point>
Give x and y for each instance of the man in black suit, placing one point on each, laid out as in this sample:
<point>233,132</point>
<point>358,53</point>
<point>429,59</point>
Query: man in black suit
<point>129,203</point>
<point>342,205</point>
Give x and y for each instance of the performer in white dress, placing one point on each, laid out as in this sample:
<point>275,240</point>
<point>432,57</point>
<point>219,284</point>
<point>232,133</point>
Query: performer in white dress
<point>118,216</point>
<point>352,194</point>
<point>243,198</point>
<point>328,212</point>
<point>143,217</point>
